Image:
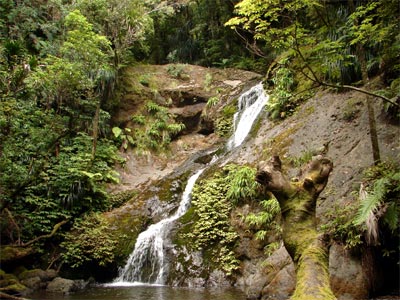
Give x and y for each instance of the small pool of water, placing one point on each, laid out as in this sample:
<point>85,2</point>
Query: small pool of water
<point>143,292</point>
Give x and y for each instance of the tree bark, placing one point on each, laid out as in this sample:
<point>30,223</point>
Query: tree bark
<point>300,236</point>
<point>361,56</point>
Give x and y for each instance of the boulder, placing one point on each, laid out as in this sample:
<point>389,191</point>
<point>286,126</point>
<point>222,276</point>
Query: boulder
<point>347,276</point>
<point>282,286</point>
<point>42,274</point>
<point>34,283</point>
<point>65,286</point>
<point>217,279</point>
<point>16,289</point>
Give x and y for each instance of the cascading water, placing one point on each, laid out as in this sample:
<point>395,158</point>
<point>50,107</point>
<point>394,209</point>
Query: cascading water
<point>148,254</point>
<point>147,264</point>
<point>250,105</point>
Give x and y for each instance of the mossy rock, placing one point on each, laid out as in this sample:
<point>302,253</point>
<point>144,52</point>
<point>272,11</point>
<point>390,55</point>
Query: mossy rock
<point>42,274</point>
<point>2,273</point>
<point>16,289</point>
<point>8,282</point>
<point>10,253</point>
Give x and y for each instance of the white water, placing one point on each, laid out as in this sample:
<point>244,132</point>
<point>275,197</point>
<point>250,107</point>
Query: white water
<point>250,105</point>
<point>149,248</point>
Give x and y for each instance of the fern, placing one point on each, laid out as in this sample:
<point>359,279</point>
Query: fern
<point>212,101</point>
<point>380,202</point>
<point>243,186</point>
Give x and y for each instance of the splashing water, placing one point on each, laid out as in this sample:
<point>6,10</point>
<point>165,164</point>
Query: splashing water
<point>147,263</point>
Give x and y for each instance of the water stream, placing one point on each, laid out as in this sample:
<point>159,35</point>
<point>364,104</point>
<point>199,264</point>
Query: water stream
<point>149,248</point>
<point>250,105</point>
<point>147,263</point>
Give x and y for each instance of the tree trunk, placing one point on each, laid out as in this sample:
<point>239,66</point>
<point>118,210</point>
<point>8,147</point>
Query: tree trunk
<point>361,56</point>
<point>95,134</point>
<point>300,236</point>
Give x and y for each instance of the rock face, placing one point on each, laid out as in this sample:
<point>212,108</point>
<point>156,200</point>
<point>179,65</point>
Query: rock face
<point>322,126</point>
<point>348,278</point>
<point>271,278</point>
<point>186,94</point>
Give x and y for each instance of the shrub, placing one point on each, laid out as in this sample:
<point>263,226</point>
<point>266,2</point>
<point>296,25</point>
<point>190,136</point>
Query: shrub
<point>89,241</point>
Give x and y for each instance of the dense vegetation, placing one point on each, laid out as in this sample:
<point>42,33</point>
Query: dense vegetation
<point>59,86</point>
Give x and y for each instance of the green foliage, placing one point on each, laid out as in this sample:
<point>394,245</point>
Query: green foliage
<point>89,240</point>
<point>377,209</point>
<point>124,136</point>
<point>224,124</point>
<point>177,71</point>
<point>49,177</point>
<point>127,24</point>
<point>329,40</point>
<point>212,200</point>
<point>381,201</point>
<point>154,129</point>
<point>211,207</point>
<point>191,32</point>
<point>265,222</point>
<point>280,105</point>
<point>341,228</point>
<point>57,75</point>
<point>242,185</point>
<point>304,158</point>
<point>212,101</point>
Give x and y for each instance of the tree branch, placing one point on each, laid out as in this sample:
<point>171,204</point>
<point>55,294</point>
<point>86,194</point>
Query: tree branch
<point>45,236</point>
<point>15,225</point>
<point>350,87</point>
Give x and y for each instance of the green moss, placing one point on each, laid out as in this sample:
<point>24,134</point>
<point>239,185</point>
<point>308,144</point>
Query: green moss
<point>126,232</point>
<point>16,288</point>
<point>10,253</point>
<point>278,145</point>
<point>312,275</point>
<point>118,199</point>
<point>206,226</point>
<point>30,273</point>
<point>256,127</point>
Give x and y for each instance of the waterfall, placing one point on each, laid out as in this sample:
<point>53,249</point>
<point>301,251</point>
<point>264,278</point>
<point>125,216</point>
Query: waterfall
<point>250,105</point>
<point>147,264</point>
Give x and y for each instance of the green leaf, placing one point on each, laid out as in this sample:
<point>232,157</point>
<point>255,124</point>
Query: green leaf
<point>116,131</point>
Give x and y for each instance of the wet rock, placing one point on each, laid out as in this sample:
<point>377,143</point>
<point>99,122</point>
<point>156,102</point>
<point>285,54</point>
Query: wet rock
<point>34,283</point>
<point>65,286</point>
<point>16,289</point>
<point>42,274</point>
<point>217,279</point>
<point>347,277</point>
<point>271,278</point>
<point>282,286</point>
<point>189,115</point>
